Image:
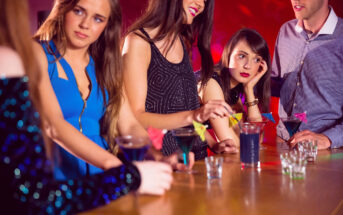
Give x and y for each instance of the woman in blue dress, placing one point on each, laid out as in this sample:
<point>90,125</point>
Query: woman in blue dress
<point>81,88</point>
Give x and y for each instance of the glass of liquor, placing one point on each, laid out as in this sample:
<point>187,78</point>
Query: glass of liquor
<point>249,145</point>
<point>134,148</point>
<point>185,138</point>
<point>292,124</point>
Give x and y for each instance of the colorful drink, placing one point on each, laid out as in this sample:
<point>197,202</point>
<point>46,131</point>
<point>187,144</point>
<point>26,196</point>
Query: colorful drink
<point>249,148</point>
<point>292,126</point>
<point>135,153</point>
<point>185,138</point>
<point>134,148</point>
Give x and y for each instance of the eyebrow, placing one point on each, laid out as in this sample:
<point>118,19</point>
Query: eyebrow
<point>98,15</point>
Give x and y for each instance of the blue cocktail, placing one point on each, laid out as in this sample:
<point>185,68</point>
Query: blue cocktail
<point>292,124</point>
<point>185,138</point>
<point>134,148</point>
<point>249,144</point>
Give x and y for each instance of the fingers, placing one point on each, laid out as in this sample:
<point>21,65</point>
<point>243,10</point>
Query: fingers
<point>213,109</point>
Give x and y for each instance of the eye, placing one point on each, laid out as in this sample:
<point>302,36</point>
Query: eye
<point>241,56</point>
<point>257,60</point>
<point>98,20</point>
<point>77,11</point>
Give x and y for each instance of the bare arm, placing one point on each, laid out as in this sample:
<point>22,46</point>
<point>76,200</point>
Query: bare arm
<point>136,57</point>
<point>62,132</point>
<point>220,125</point>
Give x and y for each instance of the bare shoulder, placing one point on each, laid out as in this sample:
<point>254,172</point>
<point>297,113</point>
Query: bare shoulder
<point>135,41</point>
<point>212,90</point>
<point>40,56</point>
<point>10,63</point>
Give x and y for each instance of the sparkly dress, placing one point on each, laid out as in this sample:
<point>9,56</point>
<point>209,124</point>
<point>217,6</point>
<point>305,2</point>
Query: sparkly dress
<point>172,88</point>
<point>27,184</point>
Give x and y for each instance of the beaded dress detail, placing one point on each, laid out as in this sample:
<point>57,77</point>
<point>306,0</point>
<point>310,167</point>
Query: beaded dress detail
<point>27,184</point>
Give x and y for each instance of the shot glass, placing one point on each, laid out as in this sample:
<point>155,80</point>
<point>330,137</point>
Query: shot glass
<point>310,148</point>
<point>214,167</point>
<point>249,144</point>
<point>286,163</point>
<point>298,165</point>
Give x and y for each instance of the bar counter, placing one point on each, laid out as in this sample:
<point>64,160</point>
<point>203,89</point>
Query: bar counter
<point>246,191</point>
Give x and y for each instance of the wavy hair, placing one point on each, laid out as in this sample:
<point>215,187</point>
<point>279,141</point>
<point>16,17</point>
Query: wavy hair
<point>170,17</point>
<point>260,47</point>
<point>105,52</point>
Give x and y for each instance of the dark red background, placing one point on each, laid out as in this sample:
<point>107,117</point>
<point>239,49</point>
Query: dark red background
<point>266,16</point>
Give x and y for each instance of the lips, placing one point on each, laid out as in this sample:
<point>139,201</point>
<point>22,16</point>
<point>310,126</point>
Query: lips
<point>298,8</point>
<point>245,75</point>
<point>80,35</point>
<point>193,11</point>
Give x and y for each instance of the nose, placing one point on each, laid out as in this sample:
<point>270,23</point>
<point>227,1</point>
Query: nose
<point>247,63</point>
<point>200,3</point>
<point>85,22</point>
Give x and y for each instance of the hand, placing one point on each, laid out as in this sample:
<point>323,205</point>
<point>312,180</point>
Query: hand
<point>225,146</point>
<point>212,109</point>
<point>174,162</point>
<point>156,177</point>
<point>323,141</point>
<point>251,84</point>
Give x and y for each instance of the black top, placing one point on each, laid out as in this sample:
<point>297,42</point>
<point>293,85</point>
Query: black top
<point>172,88</point>
<point>27,184</point>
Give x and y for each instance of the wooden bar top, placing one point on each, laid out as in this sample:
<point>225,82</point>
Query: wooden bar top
<point>246,191</point>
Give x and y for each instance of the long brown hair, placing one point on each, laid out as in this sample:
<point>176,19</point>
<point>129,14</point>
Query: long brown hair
<point>15,33</point>
<point>105,52</point>
<point>170,16</point>
<point>260,47</point>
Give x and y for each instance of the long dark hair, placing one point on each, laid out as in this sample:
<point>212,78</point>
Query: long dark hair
<point>105,52</point>
<point>170,16</point>
<point>260,47</point>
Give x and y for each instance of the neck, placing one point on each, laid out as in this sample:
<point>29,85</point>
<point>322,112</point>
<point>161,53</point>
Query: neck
<point>77,55</point>
<point>316,22</point>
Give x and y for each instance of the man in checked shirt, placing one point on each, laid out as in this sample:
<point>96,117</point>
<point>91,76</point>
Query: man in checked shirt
<point>293,72</point>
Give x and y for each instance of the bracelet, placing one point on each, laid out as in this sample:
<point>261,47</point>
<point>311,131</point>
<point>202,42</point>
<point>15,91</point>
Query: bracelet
<point>249,104</point>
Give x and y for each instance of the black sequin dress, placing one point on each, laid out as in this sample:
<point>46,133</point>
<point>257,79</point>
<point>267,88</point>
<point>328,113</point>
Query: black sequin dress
<point>172,88</point>
<point>27,185</point>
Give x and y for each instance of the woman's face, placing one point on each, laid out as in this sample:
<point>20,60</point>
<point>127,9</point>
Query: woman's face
<point>244,63</point>
<point>85,23</point>
<point>193,8</point>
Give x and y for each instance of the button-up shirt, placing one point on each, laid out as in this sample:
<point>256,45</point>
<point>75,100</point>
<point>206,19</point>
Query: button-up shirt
<point>292,46</point>
<point>317,89</point>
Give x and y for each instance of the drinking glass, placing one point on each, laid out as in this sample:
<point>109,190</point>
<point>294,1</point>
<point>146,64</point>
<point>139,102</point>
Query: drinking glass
<point>310,148</point>
<point>285,159</point>
<point>214,167</point>
<point>134,148</point>
<point>185,138</point>
<point>249,144</point>
<point>292,124</point>
<point>298,164</point>
<point>260,124</point>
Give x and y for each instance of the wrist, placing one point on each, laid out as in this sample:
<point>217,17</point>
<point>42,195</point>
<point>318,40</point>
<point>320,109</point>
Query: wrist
<point>251,103</point>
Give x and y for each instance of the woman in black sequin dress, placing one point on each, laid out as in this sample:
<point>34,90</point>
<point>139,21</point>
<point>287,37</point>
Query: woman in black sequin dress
<point>27,184</point>
<point>158,74</point>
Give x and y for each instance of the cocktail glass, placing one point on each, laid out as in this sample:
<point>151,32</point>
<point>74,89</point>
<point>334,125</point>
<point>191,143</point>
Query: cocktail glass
<point>292,124</point>
<point>134,148</point>
<point>185,138</point>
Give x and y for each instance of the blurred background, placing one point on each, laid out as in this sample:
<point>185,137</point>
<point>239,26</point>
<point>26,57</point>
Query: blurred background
<point>266,16</point>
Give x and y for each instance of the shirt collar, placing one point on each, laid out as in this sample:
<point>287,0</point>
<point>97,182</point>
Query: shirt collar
<point>328,27</point>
